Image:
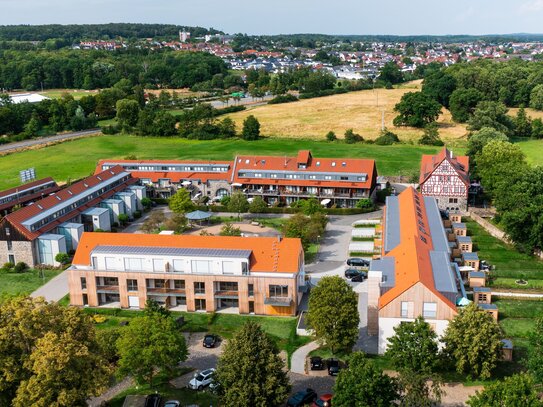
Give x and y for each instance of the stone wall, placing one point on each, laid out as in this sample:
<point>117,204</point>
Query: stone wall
<point>489,227</point>
<point>21,250</point>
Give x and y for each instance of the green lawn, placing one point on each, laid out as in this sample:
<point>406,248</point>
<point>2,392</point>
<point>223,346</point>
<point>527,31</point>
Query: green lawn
<point>23,283</point>
<point>510,264</point>
<point>78,158</point>
<point>533,150</point>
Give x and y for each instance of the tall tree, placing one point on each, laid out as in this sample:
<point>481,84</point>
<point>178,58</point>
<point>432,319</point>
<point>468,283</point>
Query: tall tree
<point>535,351</point>
<point>473,341</point>
<point>250,371</point>
<point>439,86</point>
<point>181,202</point>
<point>251,128</point>
<point>491,114</point>
<point>238,203</point>
<point>127,112</point>
<point>518,390</point>
<point>522,124</point>
<point>363,384</point>
<point>416,109</point>
<point>149,343</point>
<point>333,313</point>
<point>462,103</point>
<point>390,73</point>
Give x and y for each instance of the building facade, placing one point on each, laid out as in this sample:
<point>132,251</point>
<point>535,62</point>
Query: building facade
<point>25,194</point>
<point>36,233</point>
<point>278,180</point>
<point>245,275</point>
<point>414,275</point>
<point>445,177</point>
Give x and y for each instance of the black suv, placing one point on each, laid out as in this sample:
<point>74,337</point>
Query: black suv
<point>210,341</point>
<point>333,367</point>
<point>357,262</point>
<point>350,273</point>
<point>359,277</point>
<point>302,398</point>
<point>316,363</point>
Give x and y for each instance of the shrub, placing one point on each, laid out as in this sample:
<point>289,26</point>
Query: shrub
<point>229,109</point>
<point>331,136</point>
<point>62,258</point>
<point>364,204</point>
<point>123,218</point>
<point>99,319</point>
<point>20,267</point>
<point>386,138</point>
<point>352,137</point>
<point>283,99</point>
<point>137,214</point>
<point>111,129</point>
<point>8,266</point>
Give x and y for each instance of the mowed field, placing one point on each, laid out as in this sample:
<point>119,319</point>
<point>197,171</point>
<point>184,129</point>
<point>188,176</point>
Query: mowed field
<point>76,93</point>
<point>362,111</point>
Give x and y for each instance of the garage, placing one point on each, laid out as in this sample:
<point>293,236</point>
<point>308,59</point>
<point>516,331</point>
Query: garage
<point>133,301</point>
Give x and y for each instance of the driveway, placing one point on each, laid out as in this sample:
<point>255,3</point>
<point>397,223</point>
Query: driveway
<point>55,289</point>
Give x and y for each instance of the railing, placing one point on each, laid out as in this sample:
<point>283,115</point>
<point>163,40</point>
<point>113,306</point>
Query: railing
<point>262,192</point>
<point>107,288</point>
<point>278,301</point>
<point>226,293</point>
<point>166,291</point>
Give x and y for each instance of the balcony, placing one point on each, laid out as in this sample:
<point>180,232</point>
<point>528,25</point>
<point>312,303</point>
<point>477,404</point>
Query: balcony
<point>107,289</point>
<point>262,192</point>
<point>178,292</point>
<point>226,294</point>
<point>278,301</point>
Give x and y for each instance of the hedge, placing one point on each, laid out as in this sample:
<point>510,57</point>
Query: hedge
<point>283,99</point>
<point>229,109</point>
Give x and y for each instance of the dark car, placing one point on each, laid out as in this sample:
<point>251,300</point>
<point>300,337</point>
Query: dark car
<point>333,367</point>
<point>153,400</point>
<point>302,398</point>
<point>350,273</point>
<point>323,401</point>
<point>359,277</point>
<point>357,262</point>
<point>316,363</point>
<point>210,341</point>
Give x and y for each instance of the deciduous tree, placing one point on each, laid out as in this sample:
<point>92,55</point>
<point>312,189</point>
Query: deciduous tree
<point>251,128</point>
<point>238,203</point>
<point>258,205</point>
<point>416,109</point>
<point>181,202</point>
<point>518,390</point>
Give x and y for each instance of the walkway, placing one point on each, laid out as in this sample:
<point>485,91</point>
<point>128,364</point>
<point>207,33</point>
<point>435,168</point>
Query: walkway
<point>297,361</point>
<point>516,294</point>
<point>12,147</point>
<point>55,289</point>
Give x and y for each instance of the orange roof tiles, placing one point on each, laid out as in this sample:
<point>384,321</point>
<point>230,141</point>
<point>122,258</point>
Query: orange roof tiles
<point>412,254</point>
<point>430,162</point>
<point>53,187</point>
<point>268,253</point>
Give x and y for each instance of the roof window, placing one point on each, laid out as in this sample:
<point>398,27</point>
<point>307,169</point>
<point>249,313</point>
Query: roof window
<point>333,163</point>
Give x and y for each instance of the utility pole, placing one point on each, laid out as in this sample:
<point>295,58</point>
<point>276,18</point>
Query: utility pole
<point>383,120</point>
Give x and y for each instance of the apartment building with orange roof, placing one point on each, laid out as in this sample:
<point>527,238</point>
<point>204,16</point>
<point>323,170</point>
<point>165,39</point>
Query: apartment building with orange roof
<point>245,275</point>
<point>414,274</point>
<point>445,177</point>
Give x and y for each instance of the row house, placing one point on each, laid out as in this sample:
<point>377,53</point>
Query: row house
<point>445,177</point>
<point>25,194</point>
<point>245,275</point>
<point>414,274</point>
<point>36,233</point>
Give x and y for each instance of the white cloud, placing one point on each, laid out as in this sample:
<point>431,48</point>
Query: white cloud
<point>531,6</point>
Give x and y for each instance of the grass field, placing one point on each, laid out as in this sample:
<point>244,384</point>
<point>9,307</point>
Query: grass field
<point>76,93</point>
<point>510,264</point>
<point>78,158</point>
<point>23,283</point>
<point>361,111</point>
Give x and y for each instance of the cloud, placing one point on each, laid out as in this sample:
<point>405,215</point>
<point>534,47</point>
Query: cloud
<point>531,6</point>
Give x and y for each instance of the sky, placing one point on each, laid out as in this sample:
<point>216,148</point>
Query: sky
<point>395,17</point>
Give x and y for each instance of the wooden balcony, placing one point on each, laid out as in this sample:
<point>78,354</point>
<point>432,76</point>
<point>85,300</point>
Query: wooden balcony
<point>107,289</point>
<point>278,301</point>
<point>166,291</point>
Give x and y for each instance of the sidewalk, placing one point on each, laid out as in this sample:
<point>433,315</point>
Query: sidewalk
<point>297,361</point>
<point>55,289</point>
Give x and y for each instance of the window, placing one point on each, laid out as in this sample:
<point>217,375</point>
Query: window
<point>179,284</point>
<point>228,267</point>
<point>405,309</point>
<point>111,263</point>
<point>201,266</point>
<point>429,310</point>
<point>278,290</point>
<point>11,259</point>
<point>251,290</point>
<point>158,265</point>
<point>200,304</point>
<point>94,261</point>
<point>132,285</point>
<point>132,264</point>
<point>453,200</point>
<point>244,268</point>
<point>10,245</point>
<point>83,283</point>
<point>199,288</point>
<point>178,265</point>
<point>111,281</point>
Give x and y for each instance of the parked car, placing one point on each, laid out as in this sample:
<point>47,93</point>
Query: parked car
<point>316,363</point>
<point>202,379</point>
<point>153,400</point>
<point>323,401</point>
<point>172,403</point>
<point>359,277</point>
<point>358,262</point>
<point>333,367</point>
<point>350,273</point>
<point>302,398</point>
<point>210,341</point>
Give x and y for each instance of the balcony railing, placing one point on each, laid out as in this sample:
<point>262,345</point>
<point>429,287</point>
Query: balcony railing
<point>262,192</point>
<point>114,289</point>
<point>278,301</point>
<point>166,291</point>
<point>226,294</point>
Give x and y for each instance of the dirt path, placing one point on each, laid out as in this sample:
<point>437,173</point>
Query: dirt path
<point>247,229</point>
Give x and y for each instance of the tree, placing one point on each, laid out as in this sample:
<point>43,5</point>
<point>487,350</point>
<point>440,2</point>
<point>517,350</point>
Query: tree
<point>251,128</point>
<point>227,127</point>
<point>149,343</point>
<point>462,103</point>
<point>153,222</point>
<point>331,136</point>
<point>537,128</point>
<point>536,97</point>
<point>430,137</point>
<point>416,109</point>
<point>49,355</point>
<point>419,389</point>
<point>33,126</point>
<point>365,203</point>
<point>153,308</point>
<point>477,140</point>
<point>439,86</point>
<point>473,341</point>
<point>490,114</point>
<point>123,218</point>
<point>517,390</point>
<point>390,73</point>
<point>351,137</point>
<point>238,203</point>
<point>250,371</point>
<point>258,205</point>
<point>414,347</point>
<point>127,112</point>
<point>310,206</point>
<point>363,384</point>
<point>177,222</point>
<point>522,124</point>
<point>181,202</point>
<point>535,351</point>
<point>333,313</point>
<point>306,228</point>
<point>62,258</point>
<point>229,230</point>
<point>146,203</point>
<point>386,138</point>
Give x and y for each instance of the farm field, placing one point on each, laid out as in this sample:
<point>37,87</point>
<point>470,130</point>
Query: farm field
<point>76,93</point>
<point>77,158</point>
<point>361,111</point>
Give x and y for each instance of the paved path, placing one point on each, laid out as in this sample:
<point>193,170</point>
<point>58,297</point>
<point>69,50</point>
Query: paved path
<point>11,147</point>
<point>55,289</point>
<point>297,361</point>
<point>516,294</point>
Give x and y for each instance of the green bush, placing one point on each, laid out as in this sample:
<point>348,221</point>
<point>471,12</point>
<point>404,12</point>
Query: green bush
<point>137,214</point>
<point>283,99</point>
<point>386,138</point>
<point>20,267</point>
<point>111,129</point>
<point>62,258</point>
<point>229,109</point>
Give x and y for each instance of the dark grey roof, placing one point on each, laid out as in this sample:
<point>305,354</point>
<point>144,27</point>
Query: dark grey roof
<point>444,279</point>
<point>95,211</point>
<point>172,251</point>
<point>392,223</point>
<point>386,266</point>
<point>459,225</point>
<point>507,344</point>
<point>452,245</point>
<point>470,256</point>
<point>463,239</point>
<point>198,215</point>
<point>488,306</point>
<point>476,274</point>
<point>481,289</point>
<point>439,238</point>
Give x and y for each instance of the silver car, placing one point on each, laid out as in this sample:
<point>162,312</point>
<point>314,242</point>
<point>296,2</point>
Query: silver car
<point>202,379</point>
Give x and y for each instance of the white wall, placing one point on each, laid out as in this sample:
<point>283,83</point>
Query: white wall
<point>387,325</point>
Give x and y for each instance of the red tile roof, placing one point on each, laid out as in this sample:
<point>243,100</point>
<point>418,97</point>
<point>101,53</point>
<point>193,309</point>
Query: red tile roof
<point>430,162</point>
<point>17,218</point>
<point>412,254</point>
<point>52,188</point>
<point>268,253</point>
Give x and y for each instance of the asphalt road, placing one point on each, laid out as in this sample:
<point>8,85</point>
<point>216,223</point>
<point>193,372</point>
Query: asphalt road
<point>11,147</point>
